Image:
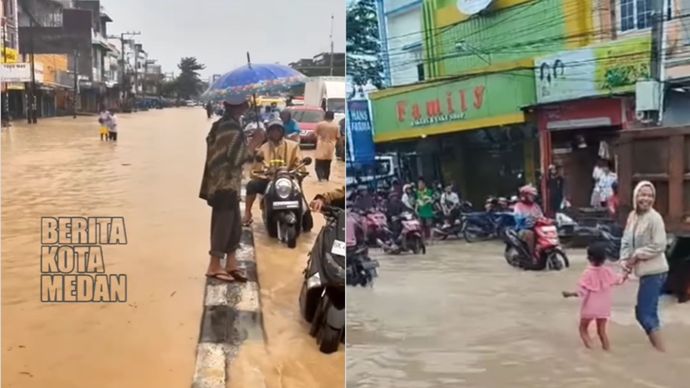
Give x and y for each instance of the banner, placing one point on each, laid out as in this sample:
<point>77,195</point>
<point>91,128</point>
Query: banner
<point>359,133</point>
<point>606,69</point>
<point>20,72</point>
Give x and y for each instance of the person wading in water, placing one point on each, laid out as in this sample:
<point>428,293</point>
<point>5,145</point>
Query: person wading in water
<point>221,186</point>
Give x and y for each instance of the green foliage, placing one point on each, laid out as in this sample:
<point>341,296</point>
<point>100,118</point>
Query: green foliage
<point>363,44</point>
<point>188,85</point>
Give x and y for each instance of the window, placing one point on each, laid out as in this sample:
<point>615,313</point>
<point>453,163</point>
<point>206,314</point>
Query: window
<point>637,14</point>
<point>420,72</point>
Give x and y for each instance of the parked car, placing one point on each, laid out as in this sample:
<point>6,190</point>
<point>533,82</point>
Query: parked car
<point>307,117</point>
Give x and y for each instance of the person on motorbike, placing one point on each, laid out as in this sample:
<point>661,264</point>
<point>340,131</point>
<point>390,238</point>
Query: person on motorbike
<point>292,130</point>
<point>408,197</point>
<point>450,202</point>
<point>277,148</point>
<point>365,200</point>
<point>335,198</point>
<point>394,212</point>
<point>526,212</point>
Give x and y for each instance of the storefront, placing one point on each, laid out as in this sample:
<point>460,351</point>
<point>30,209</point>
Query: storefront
<point>585,97</point>
<point>470,131</point>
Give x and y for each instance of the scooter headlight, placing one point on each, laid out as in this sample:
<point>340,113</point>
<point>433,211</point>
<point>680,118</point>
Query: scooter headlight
<point>283,188</point>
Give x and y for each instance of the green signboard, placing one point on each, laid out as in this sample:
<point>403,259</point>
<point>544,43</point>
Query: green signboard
<point>450,106</point>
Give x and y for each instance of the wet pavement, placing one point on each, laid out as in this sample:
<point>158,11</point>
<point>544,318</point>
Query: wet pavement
<point>461,317</point>
<point>151,178</point>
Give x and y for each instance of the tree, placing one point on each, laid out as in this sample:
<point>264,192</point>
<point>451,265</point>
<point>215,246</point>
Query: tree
<point>188,84</point>
<point>364,44</point>
<point>169,89</point>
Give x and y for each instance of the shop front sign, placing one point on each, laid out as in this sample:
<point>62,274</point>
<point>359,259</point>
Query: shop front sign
<point>20,72</point>
<point>612,68</point>
<point>451,106</point>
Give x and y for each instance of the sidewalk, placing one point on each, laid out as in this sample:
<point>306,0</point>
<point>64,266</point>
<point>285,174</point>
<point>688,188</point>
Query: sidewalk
<point>232,315</point>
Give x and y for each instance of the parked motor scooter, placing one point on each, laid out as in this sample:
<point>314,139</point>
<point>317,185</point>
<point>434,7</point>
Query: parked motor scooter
<point>361,269</point>
<point>284,209</point>
<point>548,253</point>
<point>410,240</point>
<point>376,226</point>
<point>322,299</point>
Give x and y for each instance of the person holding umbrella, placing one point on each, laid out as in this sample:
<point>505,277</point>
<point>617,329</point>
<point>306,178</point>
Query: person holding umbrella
<point>220,188</point>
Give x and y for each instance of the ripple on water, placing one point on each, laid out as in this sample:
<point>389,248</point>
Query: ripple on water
<point>460,316</point>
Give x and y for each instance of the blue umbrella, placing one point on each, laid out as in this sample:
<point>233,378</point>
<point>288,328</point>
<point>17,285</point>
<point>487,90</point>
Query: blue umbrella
<point>253,79</point>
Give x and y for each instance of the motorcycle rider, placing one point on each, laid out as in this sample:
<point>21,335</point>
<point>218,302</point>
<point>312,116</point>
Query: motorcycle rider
<point>526,212</point>
<point>408,197</point>
<point>395,209</point>
<point>292,129</point>
<point>277,148</point>
<point>335,198</point>
<point>365,201</point>
<point>450,202</point>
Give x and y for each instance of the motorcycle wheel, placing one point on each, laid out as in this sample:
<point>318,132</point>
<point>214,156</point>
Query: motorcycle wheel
<point>272,228</point>
<point>556,261</point>
<point>416,245</point>
<point>291,236</point>
<point>508,254</point>
<point>329,339</point>
<point>317,320</point>
<point>470,236</point>
<point>307,222</point>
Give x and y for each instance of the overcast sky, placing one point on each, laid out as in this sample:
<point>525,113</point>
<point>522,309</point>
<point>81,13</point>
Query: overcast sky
<point>220,32</point>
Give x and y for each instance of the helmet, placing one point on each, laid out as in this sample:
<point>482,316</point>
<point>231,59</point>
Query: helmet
<point>274,124</point>
<point>528,190</point>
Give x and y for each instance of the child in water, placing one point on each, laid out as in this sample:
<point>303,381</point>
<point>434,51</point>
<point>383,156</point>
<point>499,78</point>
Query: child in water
<point>595,288</point>
<point>104,118</point>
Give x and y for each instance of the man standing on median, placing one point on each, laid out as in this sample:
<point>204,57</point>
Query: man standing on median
<point>221,186</point>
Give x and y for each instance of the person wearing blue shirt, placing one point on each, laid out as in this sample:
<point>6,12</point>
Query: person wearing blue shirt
<point>292,130</point>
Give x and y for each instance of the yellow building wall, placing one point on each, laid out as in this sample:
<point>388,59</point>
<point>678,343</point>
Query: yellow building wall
<point>51,64</point>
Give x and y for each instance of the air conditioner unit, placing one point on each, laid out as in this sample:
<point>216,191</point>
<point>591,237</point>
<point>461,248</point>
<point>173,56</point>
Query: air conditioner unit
<point>648,96</point>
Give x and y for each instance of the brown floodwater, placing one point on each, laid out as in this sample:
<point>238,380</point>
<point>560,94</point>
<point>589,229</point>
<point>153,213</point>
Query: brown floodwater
<point>290,359</point>
<point>461,317</point>
<point>151,178</point>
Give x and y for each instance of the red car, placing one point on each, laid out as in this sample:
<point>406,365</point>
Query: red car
<point>307,117</point>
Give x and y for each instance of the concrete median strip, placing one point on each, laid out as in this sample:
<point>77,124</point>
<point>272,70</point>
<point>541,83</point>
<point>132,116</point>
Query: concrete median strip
<point>232,315</point>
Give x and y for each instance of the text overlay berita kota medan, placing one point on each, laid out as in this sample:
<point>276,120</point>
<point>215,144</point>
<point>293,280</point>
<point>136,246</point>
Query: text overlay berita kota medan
<point>72,263</point>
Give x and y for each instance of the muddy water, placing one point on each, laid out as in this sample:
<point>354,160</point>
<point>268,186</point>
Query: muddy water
<point>290,359</point>
<point>151,177</point>
<point>461,317</point>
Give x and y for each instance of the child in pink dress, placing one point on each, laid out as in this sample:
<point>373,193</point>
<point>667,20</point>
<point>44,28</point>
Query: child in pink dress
<point>596,290</point>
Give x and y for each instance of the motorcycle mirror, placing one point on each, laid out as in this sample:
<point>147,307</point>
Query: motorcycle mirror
<point>306,161</point>
<point>259,158</point>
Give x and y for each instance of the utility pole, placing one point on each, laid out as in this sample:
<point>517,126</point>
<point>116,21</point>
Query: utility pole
<point>75,92</point>
<point>657,53</point>
<point>123,68</point>
<point>332,19</point>
<point>31,111</point>
<point>6,95</point>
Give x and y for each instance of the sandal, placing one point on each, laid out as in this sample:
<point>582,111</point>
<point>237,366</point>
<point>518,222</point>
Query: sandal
<point>247,222</point>
<point>238,276</point>
<point>222,276</point>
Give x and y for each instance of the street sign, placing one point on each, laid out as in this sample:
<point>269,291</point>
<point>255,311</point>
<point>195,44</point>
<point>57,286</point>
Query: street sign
<point>359,133</point>
<point>20,72</point>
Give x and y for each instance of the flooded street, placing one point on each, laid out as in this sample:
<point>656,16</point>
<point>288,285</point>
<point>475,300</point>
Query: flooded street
<point>291,358</point>
<point>151,178</point>
<point>461,317</point>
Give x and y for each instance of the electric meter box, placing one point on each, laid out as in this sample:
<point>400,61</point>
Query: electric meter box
<point>647,96</point>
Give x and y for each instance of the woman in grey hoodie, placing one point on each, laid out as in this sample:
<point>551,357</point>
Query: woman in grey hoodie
<point>643,247</point>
